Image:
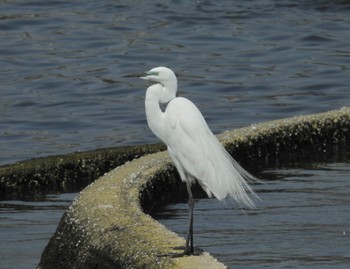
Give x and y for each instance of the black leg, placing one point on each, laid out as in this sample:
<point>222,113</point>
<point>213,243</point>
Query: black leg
<point>189,241</point>
<point>189,248</point>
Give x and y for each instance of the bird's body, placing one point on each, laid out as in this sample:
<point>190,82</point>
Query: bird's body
<point>194,149</point>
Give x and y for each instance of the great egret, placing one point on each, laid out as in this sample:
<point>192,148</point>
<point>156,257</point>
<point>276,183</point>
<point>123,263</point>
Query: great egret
<point>194,149</point>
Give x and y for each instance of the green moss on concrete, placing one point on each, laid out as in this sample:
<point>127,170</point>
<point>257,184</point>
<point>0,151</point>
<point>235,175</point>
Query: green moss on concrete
<point>106,226</point>
<point>68,173</point>
<point>301,138</point>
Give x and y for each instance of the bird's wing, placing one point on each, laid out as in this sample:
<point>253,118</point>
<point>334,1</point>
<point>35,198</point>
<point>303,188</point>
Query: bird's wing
<point>196,151</point>
<point>185,126</point>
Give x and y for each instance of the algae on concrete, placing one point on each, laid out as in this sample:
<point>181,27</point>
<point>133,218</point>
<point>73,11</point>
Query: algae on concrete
<point>66,173</point>
<point>307,137</point>
<point>105,227</point>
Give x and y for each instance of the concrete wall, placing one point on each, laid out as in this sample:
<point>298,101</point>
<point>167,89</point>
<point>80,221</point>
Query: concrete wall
<point>66,173</point>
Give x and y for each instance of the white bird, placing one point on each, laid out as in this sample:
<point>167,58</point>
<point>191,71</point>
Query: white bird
<point>195,151</point>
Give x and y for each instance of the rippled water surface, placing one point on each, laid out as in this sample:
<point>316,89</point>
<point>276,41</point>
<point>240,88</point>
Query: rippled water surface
<point>63,66</point>
<point>25,229</point>
<point>303,221</point>
<point>64,85</point>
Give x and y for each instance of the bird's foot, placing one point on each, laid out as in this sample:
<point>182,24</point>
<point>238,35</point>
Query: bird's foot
<point>196,252</point>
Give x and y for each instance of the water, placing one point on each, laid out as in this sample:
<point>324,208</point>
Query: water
<point>25,228</point>
<point>63,83</point>
<point>63,66</point>
<point>303,221</point>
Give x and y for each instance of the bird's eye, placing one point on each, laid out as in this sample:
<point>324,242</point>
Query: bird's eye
<point>152,73</point>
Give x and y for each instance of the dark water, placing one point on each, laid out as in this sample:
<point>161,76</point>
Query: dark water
<point>25,228</point>
<point>63,66</point>
<point>303,221</point>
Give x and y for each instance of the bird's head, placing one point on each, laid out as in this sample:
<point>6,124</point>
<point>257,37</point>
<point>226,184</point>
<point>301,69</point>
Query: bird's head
<point>161,74</point>
<point>167,78</point>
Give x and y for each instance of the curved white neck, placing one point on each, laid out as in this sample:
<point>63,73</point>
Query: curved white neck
<point>154,114</point>
<point>155,95</point>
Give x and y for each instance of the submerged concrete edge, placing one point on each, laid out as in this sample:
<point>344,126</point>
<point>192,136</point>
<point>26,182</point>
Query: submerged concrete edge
<point>105,227</point>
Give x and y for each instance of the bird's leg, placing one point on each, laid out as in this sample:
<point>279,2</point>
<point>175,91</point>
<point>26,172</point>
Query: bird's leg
<point>189,241</point>
<point>189,248</point>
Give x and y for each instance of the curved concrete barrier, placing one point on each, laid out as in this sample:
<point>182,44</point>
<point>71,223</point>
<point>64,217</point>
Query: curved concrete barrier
<point>66,173</point>
<point>106,227</point>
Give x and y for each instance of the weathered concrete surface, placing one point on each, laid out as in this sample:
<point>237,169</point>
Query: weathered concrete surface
<point>105,227</point>
<point>297,139</point>
<point>66,173</point>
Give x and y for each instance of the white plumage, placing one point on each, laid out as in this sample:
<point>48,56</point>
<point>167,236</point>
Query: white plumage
<point>194,149</point>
